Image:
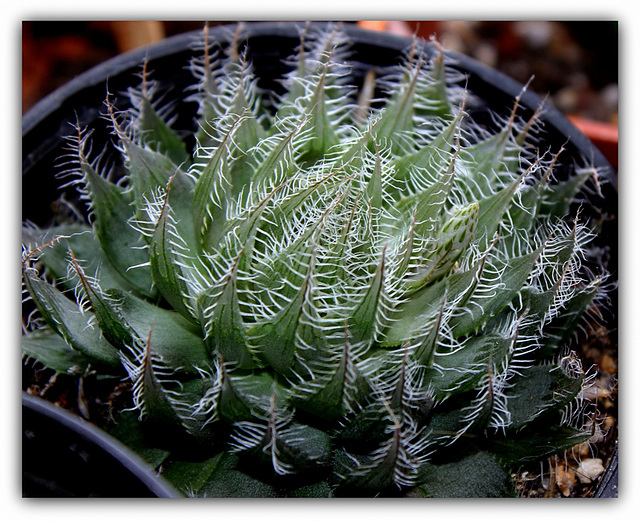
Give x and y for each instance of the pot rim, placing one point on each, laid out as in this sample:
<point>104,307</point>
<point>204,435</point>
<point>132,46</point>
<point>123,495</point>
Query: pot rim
<point>133,463</point>
<point>290,29</point>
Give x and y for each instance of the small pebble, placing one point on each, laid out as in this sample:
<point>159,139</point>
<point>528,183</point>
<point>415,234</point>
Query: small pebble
<point>565,480</point>
<point>589,470</point>
<point>607,363</point>
<point>536,33</point>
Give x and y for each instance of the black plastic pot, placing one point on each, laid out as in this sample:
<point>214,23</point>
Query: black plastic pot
<point>66,456</point>
<point>46,126</point>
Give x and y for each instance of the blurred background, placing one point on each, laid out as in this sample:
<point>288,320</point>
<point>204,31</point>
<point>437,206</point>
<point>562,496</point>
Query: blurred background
<point>574,63</point>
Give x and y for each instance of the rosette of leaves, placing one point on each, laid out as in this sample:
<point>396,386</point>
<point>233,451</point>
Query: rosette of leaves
<point>327,295</point>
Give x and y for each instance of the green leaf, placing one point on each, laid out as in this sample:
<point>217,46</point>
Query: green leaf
<point>538,303</point>
<point>426,206</point>
<point>315,60</point>
<point>109,321</point>
<point>541,388</point>
<point>148,171</point>
<point>245,395</point>
<point>425,350</point>
<point>536,442</point>
<point>476,309</point>
<point>275,339</point>
<point>417,310</point>
<point>363,319</point>
<point>179,193</point>
<point>423,305</point>
<point>436,159</point>
<point>50,349</point>
<point>121,244</point>
<point>557,199</point>
<point>364,431</point>
<point>65,317</point>
<point>209,96</point>
<point>377,471</point>
<point>297,257</point>
<point>481,310</point>
<point>433,95</point>
<point>493,210</point>
<point>236,484</point>
<point>294,81</point>
<point>452,240</point>
<point>166,253</point>
<point>159,136</point>
<point>461,370</point>
<point>320,489</point>
<point>221,320</point>
<point>245,227</point>
<point>326,391</point>
<point>374,188</point>
<point>79,238</point>
<point>278,445</point>
<point>524,215</point>
<point>247,136</point>
<point>319,123</point>
<point>150,395</point>
<point>299,201</point>
<point>164,401</point>
<point>210,194</point>
<point>190,476</point>
<point>488,158</point>
<point>477,475</point>
<point>175,339</point>
<point>130,430</point>
<point>353,152</point>
<point>249,131</point>
<point>278,163</point>
<point>306,448</point>
<point>397,117</point>
<point>562,328</point>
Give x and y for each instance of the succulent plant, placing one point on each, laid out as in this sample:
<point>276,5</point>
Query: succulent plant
<point>323,292</point>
